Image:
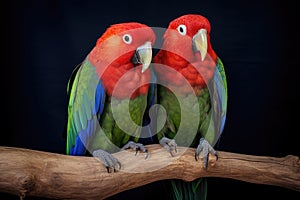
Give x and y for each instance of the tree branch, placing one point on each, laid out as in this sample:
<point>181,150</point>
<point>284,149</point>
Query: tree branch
<point>34,173</point>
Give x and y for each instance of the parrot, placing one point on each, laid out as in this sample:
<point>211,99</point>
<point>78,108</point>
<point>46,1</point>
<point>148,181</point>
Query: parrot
<point>190,75</point>
<point>111,81</point>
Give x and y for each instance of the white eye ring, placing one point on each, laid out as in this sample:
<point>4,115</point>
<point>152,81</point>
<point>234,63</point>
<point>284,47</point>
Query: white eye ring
<point>181,29</point>
<point>127,38</point>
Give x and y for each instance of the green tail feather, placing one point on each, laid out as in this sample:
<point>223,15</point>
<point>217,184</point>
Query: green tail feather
<point>195,190</point>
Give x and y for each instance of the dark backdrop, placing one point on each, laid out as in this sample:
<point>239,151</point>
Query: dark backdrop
<point>44,40</point>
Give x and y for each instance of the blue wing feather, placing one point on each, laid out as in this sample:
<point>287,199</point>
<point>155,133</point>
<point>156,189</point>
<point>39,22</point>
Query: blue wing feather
<point>152,89</point>
<point>100,99</point>
<point>220,85</point>
<point>151,100</point>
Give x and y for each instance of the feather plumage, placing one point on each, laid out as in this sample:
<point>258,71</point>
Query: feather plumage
<point>187,51</point>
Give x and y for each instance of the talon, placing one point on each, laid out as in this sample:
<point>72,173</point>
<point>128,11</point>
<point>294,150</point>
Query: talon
<point>147,154</point>
<point>169,144</point>
<point>172,154</point>
<point>108,160</point>
<point>107,168</point>
<point>206,148</point>
<point>120,166</point>
<point>205,162</point>
<point>135,146</point>
<point>196,157</point>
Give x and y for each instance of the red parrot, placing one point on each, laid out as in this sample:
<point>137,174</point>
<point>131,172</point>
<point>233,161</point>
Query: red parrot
<point>111,82</point>
<point>193,92</point>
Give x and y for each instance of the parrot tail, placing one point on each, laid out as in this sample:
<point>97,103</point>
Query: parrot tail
<point>194,190</point>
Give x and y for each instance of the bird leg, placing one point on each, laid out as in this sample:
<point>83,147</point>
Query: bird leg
<point>135,146</point>
<point>169,144</point>
<point>206,148</point>
<point>107,159</point>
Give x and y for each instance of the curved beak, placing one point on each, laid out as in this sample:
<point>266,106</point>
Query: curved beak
<point>200,42</point>
<point>143,55</point>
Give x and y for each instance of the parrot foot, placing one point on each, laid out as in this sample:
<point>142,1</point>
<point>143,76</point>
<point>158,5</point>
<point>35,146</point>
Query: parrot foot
<point>169,144</point>
<point>206,148</point>
<point>107,159</point>
<point>135,146</point>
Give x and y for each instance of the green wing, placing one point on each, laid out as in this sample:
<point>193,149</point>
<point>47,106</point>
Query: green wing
<point>219,97</point>
<point>86,103</point>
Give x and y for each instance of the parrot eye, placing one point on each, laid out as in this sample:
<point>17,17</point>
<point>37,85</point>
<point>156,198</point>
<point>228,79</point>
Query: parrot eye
<point>182,29</point>
<point>127,38</point>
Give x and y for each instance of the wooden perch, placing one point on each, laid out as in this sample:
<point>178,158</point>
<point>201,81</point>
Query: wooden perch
<point>33,173</point>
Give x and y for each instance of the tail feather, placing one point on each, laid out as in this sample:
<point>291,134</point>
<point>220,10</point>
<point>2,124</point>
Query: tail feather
<point>195,190</point>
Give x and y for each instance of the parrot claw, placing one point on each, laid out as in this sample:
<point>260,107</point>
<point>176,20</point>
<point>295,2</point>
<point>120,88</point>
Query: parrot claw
<point>136,146</point>
<point>169,144</point>
<point>107,159</point>
<point>206,148</point>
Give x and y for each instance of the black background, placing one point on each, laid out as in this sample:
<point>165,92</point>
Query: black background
<point>257,41</point>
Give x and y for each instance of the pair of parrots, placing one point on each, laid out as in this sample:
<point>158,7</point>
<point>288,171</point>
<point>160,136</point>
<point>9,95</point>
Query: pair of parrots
<point>112,90</point>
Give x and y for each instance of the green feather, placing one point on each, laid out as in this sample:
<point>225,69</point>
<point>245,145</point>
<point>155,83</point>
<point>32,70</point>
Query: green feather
<point>81,101</point>
<point>194,190</point>
<point>209,124</point>
<point>221,69</point>
<point>112,135</point>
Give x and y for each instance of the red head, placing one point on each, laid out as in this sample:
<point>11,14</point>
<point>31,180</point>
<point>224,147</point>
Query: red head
<point>187,47</point>
<point>124,49</point>
<point>190,34</point>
